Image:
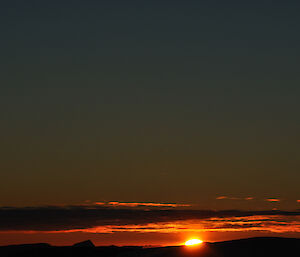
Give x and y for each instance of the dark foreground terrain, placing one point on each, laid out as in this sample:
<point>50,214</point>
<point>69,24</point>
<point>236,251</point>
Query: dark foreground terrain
<point>257,247</point>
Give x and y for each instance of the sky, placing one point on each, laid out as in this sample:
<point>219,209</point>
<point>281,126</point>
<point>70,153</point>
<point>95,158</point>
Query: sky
<point>138,105</point>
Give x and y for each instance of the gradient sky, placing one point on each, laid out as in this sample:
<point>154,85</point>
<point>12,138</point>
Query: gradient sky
<point>189,102</point>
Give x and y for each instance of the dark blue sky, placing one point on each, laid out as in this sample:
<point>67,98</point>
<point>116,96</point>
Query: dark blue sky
<point>168,101</point>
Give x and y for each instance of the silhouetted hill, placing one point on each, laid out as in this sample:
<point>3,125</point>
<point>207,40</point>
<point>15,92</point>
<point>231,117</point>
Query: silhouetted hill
<point>24,249</point>
<point>254,247</point>
<point>260,246</point>
<point>87,243</point>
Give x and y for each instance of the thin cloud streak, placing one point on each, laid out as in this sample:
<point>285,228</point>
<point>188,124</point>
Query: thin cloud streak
<point>223,197</point>
<point>273,200</point>
<point>139,204</point>
<point>234,198</point>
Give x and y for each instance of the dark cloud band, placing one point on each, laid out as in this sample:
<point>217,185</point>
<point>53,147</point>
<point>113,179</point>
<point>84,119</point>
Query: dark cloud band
<point>85,217</point>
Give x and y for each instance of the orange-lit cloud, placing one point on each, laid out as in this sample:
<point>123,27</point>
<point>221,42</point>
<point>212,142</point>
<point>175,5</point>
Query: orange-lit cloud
<point>100,203</point>
<point>260,223</point>
<point>93,219</point>
<point>222,197</point>
<point>139,204</point>
<point>273,200</point>
<point>273,224</point>
<point>247,198</point>
<point>234,198</point>
<point>74,223</point>
<point>298,201</point>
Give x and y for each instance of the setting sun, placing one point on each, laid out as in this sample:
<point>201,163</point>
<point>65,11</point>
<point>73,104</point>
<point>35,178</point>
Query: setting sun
<point>192,242</point>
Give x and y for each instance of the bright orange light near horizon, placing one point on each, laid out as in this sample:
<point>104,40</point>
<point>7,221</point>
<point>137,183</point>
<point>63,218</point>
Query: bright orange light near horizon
<point>193,242</point>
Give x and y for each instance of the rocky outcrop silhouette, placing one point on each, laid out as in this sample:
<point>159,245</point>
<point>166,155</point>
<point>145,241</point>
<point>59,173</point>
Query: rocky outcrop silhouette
<point>87,243</point>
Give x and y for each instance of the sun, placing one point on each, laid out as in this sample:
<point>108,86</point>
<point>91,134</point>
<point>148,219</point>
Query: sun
<point>193,242</point>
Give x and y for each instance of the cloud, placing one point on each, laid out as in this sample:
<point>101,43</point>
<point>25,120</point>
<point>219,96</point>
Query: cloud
<point>268,223</point>
<point>234,198</point>
<point>222,197</point>
<point>139,204</point>
<point>99,219</point>
<point>272,200</point>
<point>247,199</point>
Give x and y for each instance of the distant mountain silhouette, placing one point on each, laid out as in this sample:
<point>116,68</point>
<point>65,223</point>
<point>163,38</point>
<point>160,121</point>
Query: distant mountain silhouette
<point>87,243</point>
<point>252,247</point>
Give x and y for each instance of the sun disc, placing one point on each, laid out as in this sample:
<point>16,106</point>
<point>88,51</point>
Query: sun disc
<point>193,241</point>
